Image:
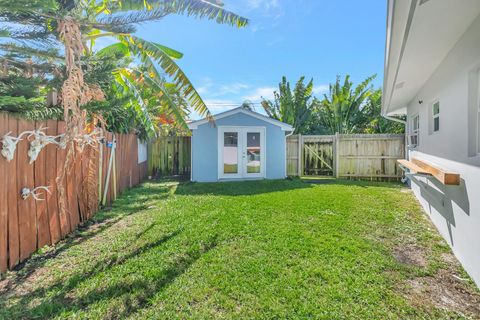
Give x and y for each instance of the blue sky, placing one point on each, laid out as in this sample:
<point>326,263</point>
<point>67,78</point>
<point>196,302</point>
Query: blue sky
<point>315,38</point>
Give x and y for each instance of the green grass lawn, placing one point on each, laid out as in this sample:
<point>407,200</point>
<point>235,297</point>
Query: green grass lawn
<point>259,249</point>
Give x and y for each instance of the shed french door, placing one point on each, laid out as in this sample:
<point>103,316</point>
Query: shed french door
<point>241,152</point>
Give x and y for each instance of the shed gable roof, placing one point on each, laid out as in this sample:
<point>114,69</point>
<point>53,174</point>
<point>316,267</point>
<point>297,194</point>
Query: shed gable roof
<point>284,126</point>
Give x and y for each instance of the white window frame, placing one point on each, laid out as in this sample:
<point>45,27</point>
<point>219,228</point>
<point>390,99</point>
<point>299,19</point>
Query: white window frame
<point>414,132</point>
<point>478,124</point>
<point>435,116</point>
<point>474,112</point>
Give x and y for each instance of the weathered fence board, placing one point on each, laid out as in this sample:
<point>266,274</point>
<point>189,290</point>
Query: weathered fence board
<point>26,207</point>
<point>43,227</point>
<point>13,191</point>
<point>293,158</point>
<point>26,224</point>
<point>370,156</point>
<point>3,202</point>
<point>355,156</point>
<point>169,156</point>
<point>50,174</point>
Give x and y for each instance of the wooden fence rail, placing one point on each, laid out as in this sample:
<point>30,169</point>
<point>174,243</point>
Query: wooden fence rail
<point>353,156</point>
<point>27,224</point>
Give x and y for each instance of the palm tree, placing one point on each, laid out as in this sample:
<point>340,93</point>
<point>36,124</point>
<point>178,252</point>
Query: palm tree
<point>43,24</point>
<point>341,109</point>
<point>292,107</point>
<point>39,25</point>
<point>375,123</point>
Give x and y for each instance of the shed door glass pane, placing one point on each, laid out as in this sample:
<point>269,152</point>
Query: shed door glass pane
<point>253,152</point>
<point>230,152</point>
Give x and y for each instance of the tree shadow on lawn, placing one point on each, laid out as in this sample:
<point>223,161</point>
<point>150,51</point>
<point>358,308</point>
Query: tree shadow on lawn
<point>239,188</point>
<point>242,188</point>
<point>57,298</point>
<point>96,225</point>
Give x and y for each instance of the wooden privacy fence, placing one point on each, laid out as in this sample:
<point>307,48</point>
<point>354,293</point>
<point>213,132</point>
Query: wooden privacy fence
<point>28,224</point>
<point>354,156</point>
<point>170,156</point>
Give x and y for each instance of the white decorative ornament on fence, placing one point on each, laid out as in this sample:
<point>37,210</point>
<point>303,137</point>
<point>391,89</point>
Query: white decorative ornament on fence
<point>37,144</point>
<point>9,144</point>
<point>26,192</point>
<point>89,139</point>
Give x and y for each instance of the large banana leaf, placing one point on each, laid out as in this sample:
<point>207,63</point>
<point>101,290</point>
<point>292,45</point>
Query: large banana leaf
<point>142,47</point>
<point>115,49</point>
<point>124,78</point>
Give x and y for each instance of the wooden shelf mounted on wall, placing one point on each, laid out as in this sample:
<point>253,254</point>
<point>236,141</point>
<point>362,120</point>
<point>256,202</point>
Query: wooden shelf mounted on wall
<point>421,167</point>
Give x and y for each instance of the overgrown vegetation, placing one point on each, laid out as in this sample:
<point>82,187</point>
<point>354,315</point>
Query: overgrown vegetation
<point>38,52</point>
<point>262,249</point>
<point>295,106</point>
<point>344,109</point>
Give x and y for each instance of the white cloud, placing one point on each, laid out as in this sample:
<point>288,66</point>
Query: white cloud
<point>259,93</point>
<point>205,85</point>
<point>267,8</point>
<point>274,41</point>
<point>216,106</point>
<point>219,105</point>
<point>209,88</point>
<point>267,4</point>
<point>233,88</point>
<point>320,89</point>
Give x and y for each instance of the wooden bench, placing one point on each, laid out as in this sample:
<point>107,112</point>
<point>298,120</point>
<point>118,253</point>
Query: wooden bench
<point>421,167</point>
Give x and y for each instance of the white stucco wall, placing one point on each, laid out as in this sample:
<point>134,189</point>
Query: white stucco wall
<point>455,210</point>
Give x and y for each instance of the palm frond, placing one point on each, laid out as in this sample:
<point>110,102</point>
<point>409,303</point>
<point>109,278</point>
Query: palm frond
<point>160,8</point>
<point>172,106</point>
<point>124,77</point>
<point>132,17</point>
<point>166,63</point>
<point>118,48</point>
<point>29,51</point>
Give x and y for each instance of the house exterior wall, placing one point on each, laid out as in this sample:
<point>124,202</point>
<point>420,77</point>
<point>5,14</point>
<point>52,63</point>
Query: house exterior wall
<point>455,210</point>
<point>205,147</point>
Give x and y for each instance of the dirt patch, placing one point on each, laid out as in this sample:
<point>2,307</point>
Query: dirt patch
<point>445,291</point>
<point>410,255</point>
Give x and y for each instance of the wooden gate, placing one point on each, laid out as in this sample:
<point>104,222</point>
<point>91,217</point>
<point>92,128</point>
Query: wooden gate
<point>318,155</point>
<point>169,156</point>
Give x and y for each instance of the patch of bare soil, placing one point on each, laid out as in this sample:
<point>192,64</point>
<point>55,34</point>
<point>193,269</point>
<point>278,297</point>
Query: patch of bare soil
<point>444,290</point>
<point>410,255</point>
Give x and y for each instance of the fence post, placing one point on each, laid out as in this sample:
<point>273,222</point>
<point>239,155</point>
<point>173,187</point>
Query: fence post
<point>300,149</point>
<point>337,155</point>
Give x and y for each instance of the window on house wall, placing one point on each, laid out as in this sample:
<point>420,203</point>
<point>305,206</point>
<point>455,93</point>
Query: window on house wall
<point>415,131</point>
<point>478,127</point>
<point>436,116</point>
<point>474,112</point>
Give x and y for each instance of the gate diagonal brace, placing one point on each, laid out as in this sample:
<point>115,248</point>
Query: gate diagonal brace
<point>320,158</point>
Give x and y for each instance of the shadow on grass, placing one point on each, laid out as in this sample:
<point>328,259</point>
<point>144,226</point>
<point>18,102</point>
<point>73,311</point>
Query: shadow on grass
<point>239,188</point>
<point>242,188</point>
<point>57,298</point>
<point>99,223</point>
<point>357,183</point>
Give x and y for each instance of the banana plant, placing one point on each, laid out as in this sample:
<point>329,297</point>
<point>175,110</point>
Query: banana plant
<point>36,24</point>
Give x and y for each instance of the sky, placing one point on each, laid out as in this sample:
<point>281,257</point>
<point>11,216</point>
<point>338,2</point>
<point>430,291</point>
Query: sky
<point>317,39</point>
